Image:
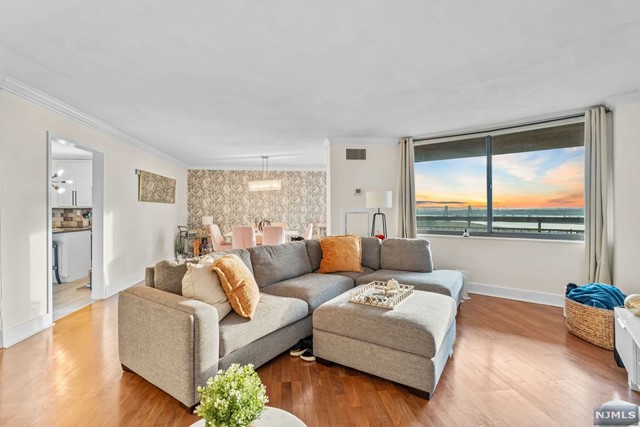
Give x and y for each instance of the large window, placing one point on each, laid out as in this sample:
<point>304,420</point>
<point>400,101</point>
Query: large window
<point>525,182</point>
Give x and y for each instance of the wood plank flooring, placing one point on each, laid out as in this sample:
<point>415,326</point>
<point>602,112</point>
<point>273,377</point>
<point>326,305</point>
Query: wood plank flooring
<point>514,364</point>
<point>69,297</point>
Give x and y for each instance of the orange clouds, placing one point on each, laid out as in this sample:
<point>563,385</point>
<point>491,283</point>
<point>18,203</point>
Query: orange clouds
<point>575,200</point>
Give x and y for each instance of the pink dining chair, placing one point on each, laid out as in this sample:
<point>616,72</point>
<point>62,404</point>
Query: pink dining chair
<point>217,239</point>
<point>273,235</point>
<point>243,237</point>
<point>308,235</point>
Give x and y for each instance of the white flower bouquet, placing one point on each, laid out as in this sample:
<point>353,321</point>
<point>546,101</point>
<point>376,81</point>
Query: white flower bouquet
<point>233,398</point>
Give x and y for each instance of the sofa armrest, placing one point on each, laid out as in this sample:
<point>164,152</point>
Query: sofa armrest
<point>169,340</point>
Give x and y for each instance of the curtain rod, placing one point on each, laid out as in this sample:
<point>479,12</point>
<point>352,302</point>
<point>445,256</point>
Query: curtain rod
<point>481,129</point>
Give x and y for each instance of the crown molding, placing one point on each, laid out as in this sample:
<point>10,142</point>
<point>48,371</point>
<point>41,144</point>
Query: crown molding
<point>42,99</point>
<point>621,99</point>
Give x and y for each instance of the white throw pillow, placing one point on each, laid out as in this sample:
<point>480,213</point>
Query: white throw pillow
<point>203,284</point>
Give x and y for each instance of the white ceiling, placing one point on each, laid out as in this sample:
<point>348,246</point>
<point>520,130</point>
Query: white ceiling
<point>217,84</point>
<point>61,149</point>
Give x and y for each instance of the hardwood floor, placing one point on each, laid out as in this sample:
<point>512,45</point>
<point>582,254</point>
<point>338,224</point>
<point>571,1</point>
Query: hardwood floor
<point>69,297</point>
<point>514,364</point>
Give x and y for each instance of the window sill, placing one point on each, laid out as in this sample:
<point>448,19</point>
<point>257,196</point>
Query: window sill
<point>510,239</point>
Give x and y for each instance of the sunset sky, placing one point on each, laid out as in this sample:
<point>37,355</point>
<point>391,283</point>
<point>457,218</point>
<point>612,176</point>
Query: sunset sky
<point>537,179</point>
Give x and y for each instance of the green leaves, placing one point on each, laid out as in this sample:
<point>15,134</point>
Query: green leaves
<point>233,398</point>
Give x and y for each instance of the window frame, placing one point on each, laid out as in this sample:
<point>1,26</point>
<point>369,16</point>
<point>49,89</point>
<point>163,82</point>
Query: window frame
<point>488,135</point>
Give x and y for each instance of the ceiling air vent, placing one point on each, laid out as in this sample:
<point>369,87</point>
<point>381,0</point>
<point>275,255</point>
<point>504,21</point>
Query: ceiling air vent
<point>356,154</point>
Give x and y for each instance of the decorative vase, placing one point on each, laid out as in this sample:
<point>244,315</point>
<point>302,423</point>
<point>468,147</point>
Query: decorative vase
<point>632,303</point>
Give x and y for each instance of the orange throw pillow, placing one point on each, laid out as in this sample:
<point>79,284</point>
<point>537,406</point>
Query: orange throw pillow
<point>238,283</point>
<point>341,253</point>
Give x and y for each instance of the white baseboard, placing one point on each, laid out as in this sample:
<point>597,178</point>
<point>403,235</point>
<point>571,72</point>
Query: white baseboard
<point>122,284</point>
<point>21,332</point>
<point>556,300</point>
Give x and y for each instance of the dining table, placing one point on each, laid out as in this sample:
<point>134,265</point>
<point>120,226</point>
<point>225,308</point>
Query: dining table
<point>288,234</point>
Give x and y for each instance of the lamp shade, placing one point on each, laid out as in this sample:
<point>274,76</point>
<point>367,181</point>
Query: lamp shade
<point>207,220</point>
<point>379,199</point>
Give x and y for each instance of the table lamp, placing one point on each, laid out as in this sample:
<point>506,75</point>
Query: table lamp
<point>378,200</point>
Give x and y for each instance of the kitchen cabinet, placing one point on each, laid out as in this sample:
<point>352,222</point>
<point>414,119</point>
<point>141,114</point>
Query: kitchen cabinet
<point>74,254</point>
<point>78,193</point>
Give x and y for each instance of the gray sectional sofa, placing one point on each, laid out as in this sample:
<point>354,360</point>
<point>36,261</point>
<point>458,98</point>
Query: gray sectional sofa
<point>177,343</point>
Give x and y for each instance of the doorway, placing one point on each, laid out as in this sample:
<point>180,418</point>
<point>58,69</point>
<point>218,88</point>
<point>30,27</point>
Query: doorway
<point>75,211</point>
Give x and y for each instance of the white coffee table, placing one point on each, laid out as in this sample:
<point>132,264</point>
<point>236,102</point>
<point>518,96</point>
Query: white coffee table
<point>271,417</point>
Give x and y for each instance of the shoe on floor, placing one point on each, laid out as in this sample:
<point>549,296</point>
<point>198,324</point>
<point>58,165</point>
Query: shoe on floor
<point>297,349</point>
<point>308,355</point>
<point>300,347</point>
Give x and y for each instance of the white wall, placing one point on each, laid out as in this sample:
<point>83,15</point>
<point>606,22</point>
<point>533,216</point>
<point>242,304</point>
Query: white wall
<point>626,175</point>
<point>378,172</point>
<point>136,234</point>
<point>524,269</point>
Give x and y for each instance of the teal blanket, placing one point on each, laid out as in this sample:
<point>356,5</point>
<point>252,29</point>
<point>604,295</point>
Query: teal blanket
<point>597,295</point>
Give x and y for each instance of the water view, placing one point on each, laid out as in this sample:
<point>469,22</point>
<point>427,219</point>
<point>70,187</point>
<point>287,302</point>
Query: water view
<point>533,192</point>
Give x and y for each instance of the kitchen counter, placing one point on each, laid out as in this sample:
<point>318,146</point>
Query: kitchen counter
<point>69,230</point>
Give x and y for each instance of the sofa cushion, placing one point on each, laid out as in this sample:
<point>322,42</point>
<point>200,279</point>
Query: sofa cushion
<point>341,253</point>
<point>275,263</point>
<point>315,289</point>
<point>353,275</point>
<point>243,254</point>
<point>446,282</point>
<point>272,313</point>
<point>314,251</point>
<point>168,274</point>
<point>406,255</point>
<point>418,325</point>
<point>238,283</point>
<point>204,285</point>
<point>371,252</point>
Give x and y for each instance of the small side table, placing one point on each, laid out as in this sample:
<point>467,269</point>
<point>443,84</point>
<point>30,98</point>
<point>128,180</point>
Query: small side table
<point>271,417</point>
<point>627,333</point>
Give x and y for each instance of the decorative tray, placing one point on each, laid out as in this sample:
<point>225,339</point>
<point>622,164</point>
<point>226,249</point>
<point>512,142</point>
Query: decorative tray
<point>376,294</point>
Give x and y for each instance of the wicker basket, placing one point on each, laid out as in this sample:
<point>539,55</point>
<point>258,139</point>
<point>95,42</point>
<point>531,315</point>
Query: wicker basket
<point>592,324</point>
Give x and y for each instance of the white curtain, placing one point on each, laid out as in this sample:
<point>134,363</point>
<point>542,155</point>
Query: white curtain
<point>598,195</point>
<point>407,199</point>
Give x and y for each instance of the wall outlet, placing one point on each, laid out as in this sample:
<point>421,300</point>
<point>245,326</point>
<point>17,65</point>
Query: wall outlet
<point>358,192</point>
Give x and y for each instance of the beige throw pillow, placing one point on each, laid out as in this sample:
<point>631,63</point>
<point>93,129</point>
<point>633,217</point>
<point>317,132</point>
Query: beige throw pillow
<point>203,284</point>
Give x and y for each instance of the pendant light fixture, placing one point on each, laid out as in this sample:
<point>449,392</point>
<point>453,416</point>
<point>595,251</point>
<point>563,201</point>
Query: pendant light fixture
<point>55,183</point>
<point>265,184</point>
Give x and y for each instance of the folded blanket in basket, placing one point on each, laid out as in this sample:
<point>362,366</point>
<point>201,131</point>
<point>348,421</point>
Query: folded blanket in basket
<point>597,295</point>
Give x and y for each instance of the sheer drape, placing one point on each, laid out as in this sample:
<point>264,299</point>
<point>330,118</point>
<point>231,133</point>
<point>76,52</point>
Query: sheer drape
<point>407,198</point>
<point>598,195</point>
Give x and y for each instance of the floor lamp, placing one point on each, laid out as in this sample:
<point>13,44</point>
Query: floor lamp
<point>378,200</point>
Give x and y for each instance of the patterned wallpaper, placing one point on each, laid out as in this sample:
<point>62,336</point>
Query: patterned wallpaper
<point>224,195</point>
